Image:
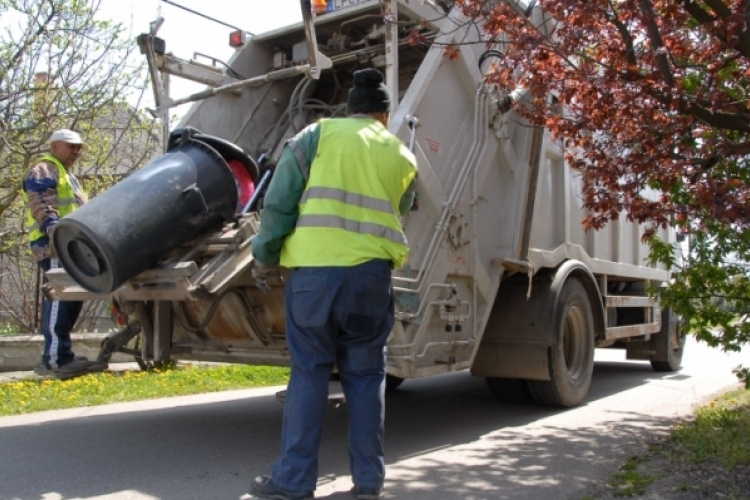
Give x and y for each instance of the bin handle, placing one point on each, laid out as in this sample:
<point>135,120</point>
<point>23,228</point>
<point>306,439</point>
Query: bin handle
<point>194,192</point>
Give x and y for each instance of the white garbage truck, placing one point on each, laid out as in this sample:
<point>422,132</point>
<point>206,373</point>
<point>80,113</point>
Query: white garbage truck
<point>502,279</point>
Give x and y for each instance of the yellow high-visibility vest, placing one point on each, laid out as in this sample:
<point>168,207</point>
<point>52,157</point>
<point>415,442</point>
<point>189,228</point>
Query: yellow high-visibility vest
<point>348,213</point>
<point>66,198</point>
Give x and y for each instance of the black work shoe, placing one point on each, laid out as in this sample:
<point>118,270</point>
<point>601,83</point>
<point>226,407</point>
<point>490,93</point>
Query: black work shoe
<point>44,371</point>
<point>364,494</point>
<point>79,366</point>
<point>263,487</point>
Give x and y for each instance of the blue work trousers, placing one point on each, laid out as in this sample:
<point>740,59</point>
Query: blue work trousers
<point>58,319</point>
<point>336,316</point>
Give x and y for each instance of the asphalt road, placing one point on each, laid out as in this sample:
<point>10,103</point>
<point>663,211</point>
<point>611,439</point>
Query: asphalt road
<point>446,438</point>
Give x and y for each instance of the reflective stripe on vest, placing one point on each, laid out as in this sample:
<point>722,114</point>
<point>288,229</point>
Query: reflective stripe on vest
<point>304,166</point>
<point>337,194</point>
<point>353,226</point>
<point>66,198</point>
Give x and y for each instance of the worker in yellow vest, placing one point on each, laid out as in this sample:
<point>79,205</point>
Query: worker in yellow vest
<point>331,214</point>
<point>50,191</point>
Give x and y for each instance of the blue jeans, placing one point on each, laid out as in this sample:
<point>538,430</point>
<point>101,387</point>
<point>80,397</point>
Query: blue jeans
<point>58,319</point>
<point>336,316</point>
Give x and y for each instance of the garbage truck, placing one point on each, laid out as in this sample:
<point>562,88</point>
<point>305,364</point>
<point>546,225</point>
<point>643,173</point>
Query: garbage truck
<point>502,278</point>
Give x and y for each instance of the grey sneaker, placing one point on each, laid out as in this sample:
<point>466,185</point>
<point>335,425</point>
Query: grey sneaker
<point>263,487</point>
<point>364,494</point>
<point>79,366</point>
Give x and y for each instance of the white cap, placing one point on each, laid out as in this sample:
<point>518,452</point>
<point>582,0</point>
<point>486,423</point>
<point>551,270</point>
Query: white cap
<point>67,136</point>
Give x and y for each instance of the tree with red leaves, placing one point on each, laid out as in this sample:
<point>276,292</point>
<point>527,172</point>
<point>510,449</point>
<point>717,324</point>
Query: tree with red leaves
<point>656,99</point>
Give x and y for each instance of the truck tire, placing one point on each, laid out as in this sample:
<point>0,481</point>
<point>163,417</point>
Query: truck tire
<point>669,343</point>
<point>509,390</point>
<point>571,359</point>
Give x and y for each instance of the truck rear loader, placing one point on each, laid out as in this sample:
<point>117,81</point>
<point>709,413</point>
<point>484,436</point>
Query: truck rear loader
<point>502,278</point>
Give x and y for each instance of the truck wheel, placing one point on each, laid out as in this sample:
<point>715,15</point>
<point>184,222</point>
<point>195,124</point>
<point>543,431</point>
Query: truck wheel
<point>668,344</point>
<point>571,360</point>
<point>392,382</point>
<point>509,390</point>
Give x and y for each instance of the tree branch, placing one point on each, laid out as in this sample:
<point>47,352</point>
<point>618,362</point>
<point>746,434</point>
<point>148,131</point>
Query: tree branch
<point>28,41</point>
<point>723,12</point>
<point>657,44</point>
<point>627,38</point>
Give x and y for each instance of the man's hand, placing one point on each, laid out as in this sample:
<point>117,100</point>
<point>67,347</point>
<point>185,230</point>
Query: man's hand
<point>265,273</point>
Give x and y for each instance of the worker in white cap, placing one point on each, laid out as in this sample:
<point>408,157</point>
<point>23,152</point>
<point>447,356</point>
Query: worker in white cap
<point>50,191</point>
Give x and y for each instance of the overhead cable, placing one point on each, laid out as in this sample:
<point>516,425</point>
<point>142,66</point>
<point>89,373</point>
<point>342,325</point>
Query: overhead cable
<point>170,2</point>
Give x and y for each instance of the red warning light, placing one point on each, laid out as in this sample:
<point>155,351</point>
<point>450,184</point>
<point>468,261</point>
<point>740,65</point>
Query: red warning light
<point>237,39</point>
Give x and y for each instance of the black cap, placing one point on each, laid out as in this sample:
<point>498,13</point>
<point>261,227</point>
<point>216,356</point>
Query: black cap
<point>368,95</point>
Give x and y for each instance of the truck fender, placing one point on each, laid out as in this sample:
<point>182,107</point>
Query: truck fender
<point>577,269</point>
<point>520,331</point>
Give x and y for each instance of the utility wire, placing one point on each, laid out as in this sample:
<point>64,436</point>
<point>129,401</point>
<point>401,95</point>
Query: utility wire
<point>170,2</point>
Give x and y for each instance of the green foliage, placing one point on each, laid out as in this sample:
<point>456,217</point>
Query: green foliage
<point>112,387</point>
<point>711,287</point>
<point>719,432</point>
<point>8,330</point>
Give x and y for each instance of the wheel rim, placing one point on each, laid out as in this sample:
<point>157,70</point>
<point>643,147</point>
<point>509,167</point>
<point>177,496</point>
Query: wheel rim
<point>676,338</point>
<point>574,338</point>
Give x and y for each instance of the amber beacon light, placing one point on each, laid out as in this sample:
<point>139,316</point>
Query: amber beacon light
<point>319,6</point>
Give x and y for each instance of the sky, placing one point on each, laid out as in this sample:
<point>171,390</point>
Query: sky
<point>187,33</point>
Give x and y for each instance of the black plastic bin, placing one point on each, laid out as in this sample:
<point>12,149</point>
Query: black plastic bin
<point>128,228</point>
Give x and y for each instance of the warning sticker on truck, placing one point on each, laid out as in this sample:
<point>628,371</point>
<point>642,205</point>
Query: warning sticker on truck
<point>433,146</point>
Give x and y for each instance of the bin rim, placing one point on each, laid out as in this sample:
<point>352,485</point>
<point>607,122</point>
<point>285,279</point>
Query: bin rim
<point>226,149</point>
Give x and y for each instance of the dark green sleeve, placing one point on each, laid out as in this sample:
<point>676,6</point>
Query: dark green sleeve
<point>281,202</point>
<point>407,200</point>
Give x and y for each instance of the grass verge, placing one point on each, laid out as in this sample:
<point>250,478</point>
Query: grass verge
<point>8,331</point>
<point>719,432</point>
<point>114,387</point>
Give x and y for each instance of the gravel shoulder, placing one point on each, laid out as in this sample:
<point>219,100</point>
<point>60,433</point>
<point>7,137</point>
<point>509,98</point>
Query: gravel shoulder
<point>665,471</point>
<point>679,480</point>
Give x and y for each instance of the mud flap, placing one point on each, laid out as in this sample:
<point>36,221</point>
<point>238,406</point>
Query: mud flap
<point>641,349</point>
<point>517,338</point>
